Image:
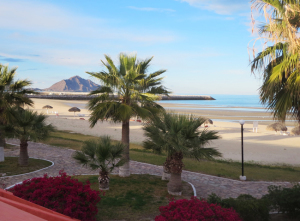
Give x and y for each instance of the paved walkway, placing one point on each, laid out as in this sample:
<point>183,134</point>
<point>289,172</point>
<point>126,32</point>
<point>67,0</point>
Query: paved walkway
<point>204,184</point>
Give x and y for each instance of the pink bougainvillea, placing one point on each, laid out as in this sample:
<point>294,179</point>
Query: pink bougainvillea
<point>62,194</point>
<point>195,210</point>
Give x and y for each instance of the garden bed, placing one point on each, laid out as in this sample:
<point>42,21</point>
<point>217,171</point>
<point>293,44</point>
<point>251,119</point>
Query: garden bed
<point>137,197</point>
<point>10,166</point>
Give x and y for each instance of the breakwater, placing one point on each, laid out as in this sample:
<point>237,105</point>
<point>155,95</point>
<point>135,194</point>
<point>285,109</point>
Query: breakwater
<point>87,97</point>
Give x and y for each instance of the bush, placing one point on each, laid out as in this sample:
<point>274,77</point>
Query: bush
<point>248,207</point>
<point>62,194</point>
<point>194,210</point>
<point>285,200</point>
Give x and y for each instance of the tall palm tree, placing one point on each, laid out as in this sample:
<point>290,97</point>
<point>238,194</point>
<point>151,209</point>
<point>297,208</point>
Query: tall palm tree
<point>279,64</point>
<point>27,125</point>
<point>12,93</point>
<point>178,136</point>
<point>102,154</point>
<point>126,91</point>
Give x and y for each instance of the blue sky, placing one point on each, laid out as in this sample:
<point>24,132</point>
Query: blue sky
<point>203,44</point>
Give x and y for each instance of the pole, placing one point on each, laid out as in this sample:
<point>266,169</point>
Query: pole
<point>242,130</point>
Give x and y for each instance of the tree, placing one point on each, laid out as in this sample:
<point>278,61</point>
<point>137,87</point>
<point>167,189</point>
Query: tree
<point>126,91</point>
<point>103,155</point>
<point>12,93</point>
<point>279,63</point>
<point>178,136</point>
<point>27,125</point>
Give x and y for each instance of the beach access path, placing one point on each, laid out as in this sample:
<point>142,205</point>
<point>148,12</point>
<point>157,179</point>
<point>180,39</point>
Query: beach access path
<point>204,184</point>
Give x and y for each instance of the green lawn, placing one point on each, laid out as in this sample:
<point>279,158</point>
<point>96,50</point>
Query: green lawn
<point>133,198</point>
<point>220,168</point>
<point>10,166</point>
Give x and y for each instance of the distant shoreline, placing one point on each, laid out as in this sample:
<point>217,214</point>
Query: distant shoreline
<point>85,96</point>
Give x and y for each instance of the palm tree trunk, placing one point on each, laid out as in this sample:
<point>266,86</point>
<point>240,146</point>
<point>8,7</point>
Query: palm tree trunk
<point>124,171</point>
<point>2,137</point>
<point>103,180</point>
<point>23,158</point>
<point>2,145</point>
<point>166,169</point>
<point>175,183</point>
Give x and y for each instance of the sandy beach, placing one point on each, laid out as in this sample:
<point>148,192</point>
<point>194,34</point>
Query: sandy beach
<point>265,147</point>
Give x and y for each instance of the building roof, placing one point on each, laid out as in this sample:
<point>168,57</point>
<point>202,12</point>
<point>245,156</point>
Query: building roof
<point>17,209</point>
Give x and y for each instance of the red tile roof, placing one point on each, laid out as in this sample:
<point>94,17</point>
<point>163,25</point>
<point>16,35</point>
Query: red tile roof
<point>17,209</point>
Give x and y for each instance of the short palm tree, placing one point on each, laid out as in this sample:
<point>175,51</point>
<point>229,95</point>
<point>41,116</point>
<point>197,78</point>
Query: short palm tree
<point>12,93</point>
<point>102,154</point>
<point>178,136</point>
<point>27,125</point>
<point>126,91</point>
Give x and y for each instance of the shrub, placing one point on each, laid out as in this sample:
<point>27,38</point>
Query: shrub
<point>248,207</point>
<point>194,210</point>
<point>62,194</point>
<point>285,200</point>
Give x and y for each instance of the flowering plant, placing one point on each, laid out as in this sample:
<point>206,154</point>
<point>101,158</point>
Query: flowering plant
<point>62,194</point>
<point>195,210</point>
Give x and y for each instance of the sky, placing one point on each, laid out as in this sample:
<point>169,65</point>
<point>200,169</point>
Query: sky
<point>203,44</point>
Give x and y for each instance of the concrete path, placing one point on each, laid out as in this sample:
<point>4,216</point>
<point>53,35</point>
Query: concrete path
<point>204,184</point>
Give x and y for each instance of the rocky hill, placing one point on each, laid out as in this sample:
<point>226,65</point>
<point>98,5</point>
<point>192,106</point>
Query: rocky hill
<point>73,84</point>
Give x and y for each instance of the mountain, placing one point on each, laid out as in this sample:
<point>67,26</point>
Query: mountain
<point>73,84</point>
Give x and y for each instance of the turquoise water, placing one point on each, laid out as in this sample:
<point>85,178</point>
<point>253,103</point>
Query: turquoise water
<point>226,101</point>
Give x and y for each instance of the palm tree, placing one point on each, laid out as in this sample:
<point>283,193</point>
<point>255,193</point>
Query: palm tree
<point>12,93</point>
<point>279,63</point>
<point>126,91</point>
<point>103,155</point>
<point>27,125</point>
<point>178,136</point>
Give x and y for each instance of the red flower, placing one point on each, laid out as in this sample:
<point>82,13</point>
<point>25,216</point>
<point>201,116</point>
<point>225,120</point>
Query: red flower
<point>195,210</point>
<point>62,194</point>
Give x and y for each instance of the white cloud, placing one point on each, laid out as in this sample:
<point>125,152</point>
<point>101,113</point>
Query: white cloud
<point>225,7</point>
<point>152,9</point>
<point>62,37</point>
<point>38,17</point>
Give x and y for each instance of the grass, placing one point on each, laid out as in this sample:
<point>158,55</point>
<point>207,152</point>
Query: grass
<point>10,147</point>
<point>10,166</point>
<point>221,168</point>
<point>137,197</point>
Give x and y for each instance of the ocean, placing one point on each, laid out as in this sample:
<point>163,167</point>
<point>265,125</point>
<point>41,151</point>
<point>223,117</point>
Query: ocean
<point>228,102</point>
<point>236,102</point>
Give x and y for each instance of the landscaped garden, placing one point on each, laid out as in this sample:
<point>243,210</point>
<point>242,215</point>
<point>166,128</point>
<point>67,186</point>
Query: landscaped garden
<point>221,168</point>
<point>10,166</point>
<point>133,198</point>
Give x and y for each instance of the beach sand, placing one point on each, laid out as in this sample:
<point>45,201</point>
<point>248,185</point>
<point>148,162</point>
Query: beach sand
<point>265,147</point>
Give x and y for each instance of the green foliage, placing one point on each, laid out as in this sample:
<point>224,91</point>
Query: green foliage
<point>248,207</point>
<point>285,200</point>
<point>172,133</point>
<point>12,91</point>
<point>12,94</point>
<point>27,125</point>
<point>279,63</point>
<point>126,90</point>
<point>100,154</point>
